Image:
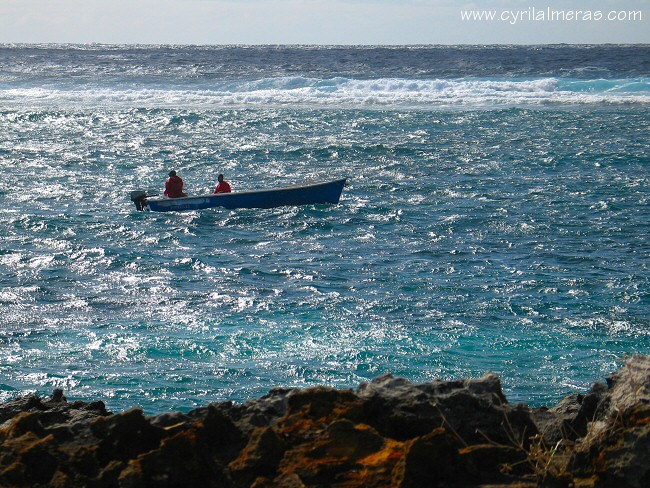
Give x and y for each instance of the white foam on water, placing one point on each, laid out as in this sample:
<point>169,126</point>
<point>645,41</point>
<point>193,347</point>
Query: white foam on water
<point>343,92</point>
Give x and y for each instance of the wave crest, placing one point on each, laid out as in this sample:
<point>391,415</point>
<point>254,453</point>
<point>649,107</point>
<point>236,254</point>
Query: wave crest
<point>344,92</point>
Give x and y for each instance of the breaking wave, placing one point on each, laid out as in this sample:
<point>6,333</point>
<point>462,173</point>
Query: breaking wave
<point>340,92</point>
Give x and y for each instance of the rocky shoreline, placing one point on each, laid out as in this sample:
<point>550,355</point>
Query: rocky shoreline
<point>388,432</point>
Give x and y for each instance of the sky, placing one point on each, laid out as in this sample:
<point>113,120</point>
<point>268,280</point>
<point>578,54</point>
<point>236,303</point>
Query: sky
<point>340,22</point>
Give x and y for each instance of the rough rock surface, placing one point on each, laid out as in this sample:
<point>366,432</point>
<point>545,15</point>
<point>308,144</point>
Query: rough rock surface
<point>388,432</point>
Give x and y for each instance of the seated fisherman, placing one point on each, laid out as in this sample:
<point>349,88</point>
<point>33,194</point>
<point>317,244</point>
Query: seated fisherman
<point>174,186</point>
<point>223,186</point>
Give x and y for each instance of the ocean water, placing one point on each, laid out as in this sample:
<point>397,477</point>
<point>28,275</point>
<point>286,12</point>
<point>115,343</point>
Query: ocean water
<point>497,218</point>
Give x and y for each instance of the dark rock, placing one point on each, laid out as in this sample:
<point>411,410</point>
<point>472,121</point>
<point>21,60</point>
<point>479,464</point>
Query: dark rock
<point>261,457</point>
<point>621,454</point>
<point>333,455</point>
<point>169,420</point>
<point>57,396</point>
<point>222,435</point>
<point>34,461</point>
<point>179,461</point>
<point>552,480</point>
<point>320,403</point>
<point>616,449</point>
<point>389,432</point>
<point>475,410</point>
<point>126,435</point>
<point>628,386</point>
<point>569,419</point>
<point>28,403</point>
<point>291,480</point>
<point>431,460</point>
<point>23,423</point>
<point>344,439</point>
<point>257,413</point>
<point>85,463</point>
<point>483,463</point>
<point>109,475</point>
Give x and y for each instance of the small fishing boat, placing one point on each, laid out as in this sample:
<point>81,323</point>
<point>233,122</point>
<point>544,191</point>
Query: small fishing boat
<point>307,193</point>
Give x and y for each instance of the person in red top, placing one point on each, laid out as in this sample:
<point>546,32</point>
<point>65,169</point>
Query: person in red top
<point>174,186</point>
<point>223,186</point>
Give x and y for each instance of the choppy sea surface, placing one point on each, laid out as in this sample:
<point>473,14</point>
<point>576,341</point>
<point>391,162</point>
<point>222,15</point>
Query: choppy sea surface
<point>497,218</point>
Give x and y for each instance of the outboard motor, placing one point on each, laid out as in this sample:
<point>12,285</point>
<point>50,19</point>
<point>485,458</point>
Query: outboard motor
<point>139,197</point>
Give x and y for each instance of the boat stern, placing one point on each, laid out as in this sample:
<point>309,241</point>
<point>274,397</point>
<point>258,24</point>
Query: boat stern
<point>139,198</point>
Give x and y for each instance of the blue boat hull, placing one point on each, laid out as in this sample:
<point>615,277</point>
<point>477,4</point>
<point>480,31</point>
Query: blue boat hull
<point>303,194</point>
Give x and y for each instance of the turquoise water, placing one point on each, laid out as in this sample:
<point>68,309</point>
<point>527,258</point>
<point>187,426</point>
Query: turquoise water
<point>496,219</point>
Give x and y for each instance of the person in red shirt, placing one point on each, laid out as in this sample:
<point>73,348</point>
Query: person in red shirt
<point>223,186</point>
<point>174,186</point>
